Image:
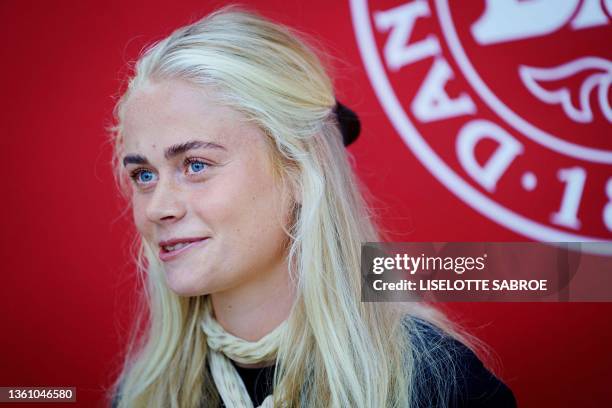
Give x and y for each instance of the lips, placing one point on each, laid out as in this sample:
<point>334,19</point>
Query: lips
<point>171,249</point>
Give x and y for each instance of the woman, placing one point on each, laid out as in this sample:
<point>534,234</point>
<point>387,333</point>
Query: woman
<point>229,144</point>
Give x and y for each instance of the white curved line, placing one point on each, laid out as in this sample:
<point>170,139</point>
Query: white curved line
<point>604,89</point>
<point>438,168</point>
<point>531,75</point>
<point>571,68</point>
<point>537,135</point>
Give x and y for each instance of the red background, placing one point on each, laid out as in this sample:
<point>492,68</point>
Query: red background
<point>68,282</point>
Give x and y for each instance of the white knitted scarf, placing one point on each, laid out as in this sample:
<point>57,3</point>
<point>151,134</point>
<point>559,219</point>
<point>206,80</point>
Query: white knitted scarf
<point>224,346</point>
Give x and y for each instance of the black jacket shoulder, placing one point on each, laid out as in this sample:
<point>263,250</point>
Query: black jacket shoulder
<point>451,374</point>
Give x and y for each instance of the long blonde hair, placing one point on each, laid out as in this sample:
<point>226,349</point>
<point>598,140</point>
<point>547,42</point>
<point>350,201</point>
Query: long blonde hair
<point>338,351</point>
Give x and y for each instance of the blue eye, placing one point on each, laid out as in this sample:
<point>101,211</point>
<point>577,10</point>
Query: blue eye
<point>196,165</point>
<point>145,176</point>
<point>142,176</point>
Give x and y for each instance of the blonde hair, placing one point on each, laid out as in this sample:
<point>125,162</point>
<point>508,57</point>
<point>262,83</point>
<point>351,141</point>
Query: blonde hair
<point>338,351</point>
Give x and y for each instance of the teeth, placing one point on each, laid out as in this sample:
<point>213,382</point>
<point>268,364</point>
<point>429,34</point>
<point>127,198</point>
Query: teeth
<point>176,246</point>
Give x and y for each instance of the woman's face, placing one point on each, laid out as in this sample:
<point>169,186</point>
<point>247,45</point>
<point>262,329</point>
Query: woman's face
<point>204,196</point>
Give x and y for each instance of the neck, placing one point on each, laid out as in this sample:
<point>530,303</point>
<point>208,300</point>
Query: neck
<point>254,309</point>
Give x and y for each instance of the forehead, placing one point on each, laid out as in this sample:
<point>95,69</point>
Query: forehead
<point>163,113</point>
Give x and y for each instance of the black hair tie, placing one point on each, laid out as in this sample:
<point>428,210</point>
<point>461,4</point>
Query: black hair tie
<point>348,121</point>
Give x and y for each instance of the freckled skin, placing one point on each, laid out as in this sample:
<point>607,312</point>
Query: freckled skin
<point>235,201</point>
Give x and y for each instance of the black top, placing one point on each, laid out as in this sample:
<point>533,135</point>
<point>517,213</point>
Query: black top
<point>258,382</point>
<point>475,386</point>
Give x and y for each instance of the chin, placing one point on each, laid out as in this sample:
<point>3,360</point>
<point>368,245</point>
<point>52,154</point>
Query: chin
<point>183,292</point>
<point>179,283</point>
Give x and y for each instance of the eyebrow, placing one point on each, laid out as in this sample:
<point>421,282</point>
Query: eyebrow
<point>173,151</point>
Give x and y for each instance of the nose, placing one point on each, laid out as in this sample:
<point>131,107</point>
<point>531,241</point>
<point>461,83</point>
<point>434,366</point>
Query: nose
<point>166,204</point>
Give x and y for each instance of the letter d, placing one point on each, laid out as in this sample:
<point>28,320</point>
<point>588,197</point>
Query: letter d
<point>490,172</point>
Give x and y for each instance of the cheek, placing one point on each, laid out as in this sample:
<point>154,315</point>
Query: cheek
<point>245,209</point>
<point>138,214</point>
<point>260,228</point>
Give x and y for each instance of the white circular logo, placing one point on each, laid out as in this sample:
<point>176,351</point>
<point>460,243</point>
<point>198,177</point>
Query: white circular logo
<point>506,102</point>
